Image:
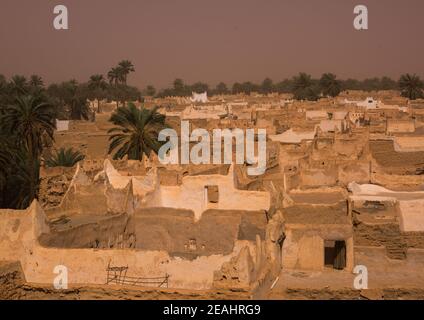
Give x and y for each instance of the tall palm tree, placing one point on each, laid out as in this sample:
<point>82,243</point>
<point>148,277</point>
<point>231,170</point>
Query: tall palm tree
<point>411,86</point>
<point>330,85</point>
<point>27,120</point>
<point>97,86</point>
<point>64,158</point>
<point>126,67</point>
<point>115,75</point>
<point>97,81</point>
<point>136,132</point>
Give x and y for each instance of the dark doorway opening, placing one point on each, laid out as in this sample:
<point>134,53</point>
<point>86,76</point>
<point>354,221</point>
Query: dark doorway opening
<point>335,254</point>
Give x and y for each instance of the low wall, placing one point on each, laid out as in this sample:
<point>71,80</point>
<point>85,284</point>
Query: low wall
<point>20,229</point>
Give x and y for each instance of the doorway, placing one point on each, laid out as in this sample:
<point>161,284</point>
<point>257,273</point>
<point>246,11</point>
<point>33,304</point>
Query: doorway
<point>335,254</point>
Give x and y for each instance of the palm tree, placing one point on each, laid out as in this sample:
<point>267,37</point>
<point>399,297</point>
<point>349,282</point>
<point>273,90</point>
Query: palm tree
<point>97,81</point>
<point>64,158</point>
<point>150,90</point>
<point>267,86</point>
<point>29,118</point>
<point>136,132</point>
<point>97,86</point>
<point>221,88</point>
<point>330,85</point>
<point>5,162</point>
<point>115,75</point>
<point>304,87</point>
<point>25,178</point>
<point>18,85</point>
<point>411,86</point>
<point>27,121</point>
<point>126,67</point>
<point>36,81</point>
<point>79,107</point>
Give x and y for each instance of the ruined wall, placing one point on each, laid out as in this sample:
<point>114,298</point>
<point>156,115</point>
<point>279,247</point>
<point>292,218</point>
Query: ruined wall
<point>110,232</point>
<point>176,231</point>
<point>20,229</point>
<point>54,182</point>
<point>413,239</point>
<point>255,265</point>
<point>397,181</point>
<point>358,171</point>
<point>319,177</point>
<point>386,235</point>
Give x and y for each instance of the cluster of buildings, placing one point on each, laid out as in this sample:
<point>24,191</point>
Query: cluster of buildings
<point>343,186</point>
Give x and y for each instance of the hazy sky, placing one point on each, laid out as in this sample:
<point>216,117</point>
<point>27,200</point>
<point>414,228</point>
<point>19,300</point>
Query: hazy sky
<point>211,40</point>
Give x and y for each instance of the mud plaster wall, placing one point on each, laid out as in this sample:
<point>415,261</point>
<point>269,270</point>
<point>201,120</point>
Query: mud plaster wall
<point>215,233</point>
<point>414,239</point>
<point>358,171</point>
<point>192,195</point>
<point>303,247</point>
<point>397,125</point>
<point>319,177</point>
<point>394,181</point>
<point>375,235</point>
<point>385,235</point>
<point>110,232</point>
<point>20,229</point>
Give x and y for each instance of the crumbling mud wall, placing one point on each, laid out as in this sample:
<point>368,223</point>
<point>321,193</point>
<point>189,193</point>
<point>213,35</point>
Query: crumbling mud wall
<point>108,232</point>
<point>318,177</point>
<point>178,233</point>
<point>257,264</point>
<point>358,171</point>
<point>397,181</point>
<point>54,184</point>
<point>386,235</point>
<point>21,229</point>
<point>413,239</point>
<point>99,196</point>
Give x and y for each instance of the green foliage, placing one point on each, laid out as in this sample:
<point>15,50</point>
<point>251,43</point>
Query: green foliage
<point>150,91</point>
<point>72,96</point>
<point>411,86</point>
<point>126,67</point>
<point>135,132</point>
<point>29,118</point>
<point>24,123</point>
<point>119,74</point>
<point>221,88</point>
<point>267,86</point>
<point>199,87</point>
<point>304,88</point>
<point>330,86</point>
<point>64,158</point>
